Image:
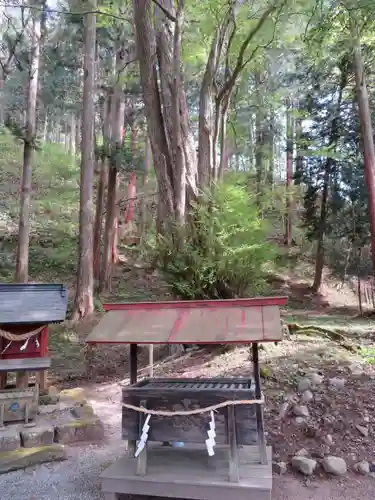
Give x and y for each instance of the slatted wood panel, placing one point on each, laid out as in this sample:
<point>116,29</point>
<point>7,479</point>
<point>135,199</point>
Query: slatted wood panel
<point>187,394</point>
<point>191,473</point>
<point>184,325</point>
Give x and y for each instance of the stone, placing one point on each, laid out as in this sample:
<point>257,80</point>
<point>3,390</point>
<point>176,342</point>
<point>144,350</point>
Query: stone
<point>302,453</point>
<point>301,411</point>
<point>328,439</point>
<point>83,411</point>
<point>10,438</point>
<point>300,420</point>
<point>284,408</point>
<point>305,465</point>
<point>28,457</point>
<point>42,435</point>
<point>53,394</point>
<point>78,394</point>
<point>304,384</point>
<point>316,379</point>
<point>337,382</point>
<point>79,430</point>
<point>362,468</point>
<point>356,370</point>
<point>362,429</point>
<point>335,465</point>
<point>279,468</point>
<point>307,396</point>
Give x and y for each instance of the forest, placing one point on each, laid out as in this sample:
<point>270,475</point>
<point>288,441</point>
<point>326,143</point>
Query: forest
<point>158,150</point>
<point>211,143</point>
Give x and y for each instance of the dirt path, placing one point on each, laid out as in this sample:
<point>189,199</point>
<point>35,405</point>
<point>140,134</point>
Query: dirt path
<point>77,478</point>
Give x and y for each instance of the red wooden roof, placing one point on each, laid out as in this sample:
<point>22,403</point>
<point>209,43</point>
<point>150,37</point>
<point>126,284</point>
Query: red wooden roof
<point>191,322</point>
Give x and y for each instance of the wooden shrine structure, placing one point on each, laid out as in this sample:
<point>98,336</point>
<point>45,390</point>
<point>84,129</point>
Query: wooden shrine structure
<point>217,422</point>
<point>26,310</point>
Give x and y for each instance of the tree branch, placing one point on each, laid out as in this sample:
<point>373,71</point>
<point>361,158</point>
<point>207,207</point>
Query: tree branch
<point>165,11</point>
<point>241,55</point>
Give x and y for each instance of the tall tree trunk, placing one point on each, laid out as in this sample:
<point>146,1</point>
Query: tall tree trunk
<point>289,173</point>
<point>329,164</point>
<point>78,140</point>
<point>99,217</point>
<point>103,181</point>
<point>72,136</point>
<point>84,304</point>
<point>22,265</point>
<point>117,123</point>
<point>145,41</point>
<point>299,155</point>
<point>143,208</point>
<point>366,129</point>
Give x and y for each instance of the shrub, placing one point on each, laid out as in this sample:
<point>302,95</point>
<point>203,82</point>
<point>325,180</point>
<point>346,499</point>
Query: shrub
<point>224,252</point>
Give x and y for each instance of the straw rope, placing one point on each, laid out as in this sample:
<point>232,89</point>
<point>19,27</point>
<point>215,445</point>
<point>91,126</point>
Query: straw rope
<point>206,409</point>
<point>19,337</point>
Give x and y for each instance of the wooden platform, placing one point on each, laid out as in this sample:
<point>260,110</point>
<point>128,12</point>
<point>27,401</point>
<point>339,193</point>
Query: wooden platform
<point>190,473</point>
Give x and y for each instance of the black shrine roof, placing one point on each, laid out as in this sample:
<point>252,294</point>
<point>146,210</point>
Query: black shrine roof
<point>32,303</point>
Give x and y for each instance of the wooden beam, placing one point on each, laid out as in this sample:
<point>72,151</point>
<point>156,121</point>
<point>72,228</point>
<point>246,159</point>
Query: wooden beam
<point>133,380</point>
<point>259,408</point>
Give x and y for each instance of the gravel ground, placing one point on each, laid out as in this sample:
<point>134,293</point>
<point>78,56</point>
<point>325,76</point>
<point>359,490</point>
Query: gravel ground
<point>77,478</point>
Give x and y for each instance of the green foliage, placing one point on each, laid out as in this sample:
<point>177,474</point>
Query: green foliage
<point>224,252</point>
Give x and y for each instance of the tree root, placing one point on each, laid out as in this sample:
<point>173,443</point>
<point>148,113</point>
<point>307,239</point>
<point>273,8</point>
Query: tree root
<point>334,335</point>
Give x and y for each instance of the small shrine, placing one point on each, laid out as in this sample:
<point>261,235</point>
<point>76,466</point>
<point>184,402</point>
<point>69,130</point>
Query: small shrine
<point>26,310</point>
<point>192,437</point>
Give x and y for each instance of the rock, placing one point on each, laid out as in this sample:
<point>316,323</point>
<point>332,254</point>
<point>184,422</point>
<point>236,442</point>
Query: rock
<point>362,429</point>
<point>337,382</point>
<point>302,453</point>
<point>284,408</point>
<point>28,457</point>
<point>362,468</point>
<point>356,370</point>
<point>83,411</point>
<point>328,439</point>
<point>304,384</point>
<point>79,430</point>
<point>307,396</point>
<point>53,394</point>
<point>305,465</point>
<point>316,379</point>
<point>301,411</point>
<point>300,420</point>
<point>335,465</point>
<point>10,439</point>
<point>78,394</point>
<point>279,468</point>
<point>37,436</point>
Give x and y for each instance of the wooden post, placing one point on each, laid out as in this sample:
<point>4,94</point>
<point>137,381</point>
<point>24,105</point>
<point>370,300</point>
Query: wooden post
<point>259,408</point>
<point>133,380</point>
<point>22,380</point>
<point>142,457</point>
<point>151,359</point>
<point>234,472</point>
<point>3,380</point>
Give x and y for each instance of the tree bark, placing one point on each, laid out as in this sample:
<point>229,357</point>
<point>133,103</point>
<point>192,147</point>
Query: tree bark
<point>333,140</point>
<point>22,264</point>
<point>146,46</point>
<point>84,304</point>
<point>117,123</point>
<point>289,173</point>
<point>366,129</point>
<point>143,223</point>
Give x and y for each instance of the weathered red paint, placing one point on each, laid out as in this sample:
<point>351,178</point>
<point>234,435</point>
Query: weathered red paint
<point>191,304</point>
<point>31,350</point>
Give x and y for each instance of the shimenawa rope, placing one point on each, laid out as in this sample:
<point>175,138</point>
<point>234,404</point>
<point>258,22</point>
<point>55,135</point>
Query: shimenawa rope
<point>22,336</point>
<point>197,411</point>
